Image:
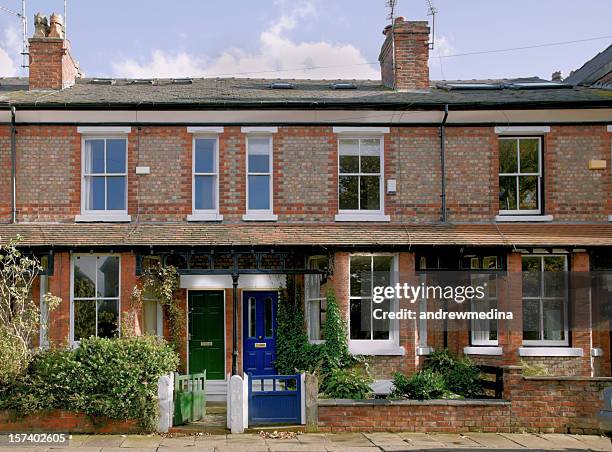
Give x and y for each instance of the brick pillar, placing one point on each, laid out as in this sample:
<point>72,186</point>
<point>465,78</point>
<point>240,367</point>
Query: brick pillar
<point>131,315</point>
<point>510,334</point>
<point>408,329</point>
<point>339,281</point>
<point>580,310</point>
<point>59,285</point>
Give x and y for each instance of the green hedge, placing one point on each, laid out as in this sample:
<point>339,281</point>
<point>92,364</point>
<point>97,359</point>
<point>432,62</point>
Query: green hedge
<point>114,378</point>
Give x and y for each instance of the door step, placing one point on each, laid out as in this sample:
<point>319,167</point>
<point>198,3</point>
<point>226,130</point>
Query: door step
<point>276,428</point>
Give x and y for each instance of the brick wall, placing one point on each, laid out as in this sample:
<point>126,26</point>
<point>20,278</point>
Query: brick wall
<point>305,174</point>
<point>51,65</point>
<point>48,173</point>
<point>531,404</point>
<point>58,421</point>
<point>443,416</point>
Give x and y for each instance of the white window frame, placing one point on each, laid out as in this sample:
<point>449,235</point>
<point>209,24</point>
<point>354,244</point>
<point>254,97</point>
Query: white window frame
<point>204,214</point>
<point>260,214</point>
<point>160,315</point>
<point>360,214</point>
<point>44,312</point>
<point>518,211</point>
<point>480,341</point>
<point>375,346</point>
<point>73,257</point>
<point>102,133</point>
<point>543,342</point>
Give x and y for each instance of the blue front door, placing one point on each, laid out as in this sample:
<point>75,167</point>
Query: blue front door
<point>259,326</point>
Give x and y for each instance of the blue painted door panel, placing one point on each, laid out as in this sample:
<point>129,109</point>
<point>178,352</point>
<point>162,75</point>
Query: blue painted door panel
<point>259,326</point>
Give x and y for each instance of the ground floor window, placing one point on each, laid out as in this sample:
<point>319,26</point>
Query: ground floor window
<point>44,312</point>
<point>315,290</point>
<point>545,300</point>
<point>483,274</point>
<point>152,314</point>
<point>367,272</point>
<point>95,296</point>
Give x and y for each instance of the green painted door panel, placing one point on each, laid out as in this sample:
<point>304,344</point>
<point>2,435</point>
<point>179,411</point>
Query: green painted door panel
<point>207,334</point>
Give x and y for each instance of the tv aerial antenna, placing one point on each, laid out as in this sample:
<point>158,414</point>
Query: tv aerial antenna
<point>24,30</point>
<point>392,4</point>
<point>432,11</point>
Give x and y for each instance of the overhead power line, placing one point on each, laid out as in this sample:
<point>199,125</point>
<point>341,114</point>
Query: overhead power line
<point>480,52</point>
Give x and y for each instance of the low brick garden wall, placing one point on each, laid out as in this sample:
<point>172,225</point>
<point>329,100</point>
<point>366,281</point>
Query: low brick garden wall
<point>530,404</point>
<point>58,421</point>
<point>414,415</point>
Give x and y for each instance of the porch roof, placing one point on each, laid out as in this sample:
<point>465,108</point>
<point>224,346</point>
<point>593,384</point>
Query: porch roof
<point>325,234</point>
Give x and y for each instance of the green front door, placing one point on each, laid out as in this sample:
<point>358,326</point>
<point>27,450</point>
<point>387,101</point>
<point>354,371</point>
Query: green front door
<point>206,334</point>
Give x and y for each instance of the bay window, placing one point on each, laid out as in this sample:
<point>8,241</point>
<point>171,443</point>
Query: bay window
<point>545,300</point>
<point>95,296</point>
<point>367,272</point>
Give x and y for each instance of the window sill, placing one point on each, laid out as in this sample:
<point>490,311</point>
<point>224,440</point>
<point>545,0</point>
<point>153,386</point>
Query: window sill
<point>383,348</point>
<point>362,217</point>
<point>550,351</point>
<point>101,218</point>
<point>317,341</point>
<point>483,350</point>
<point>609,217</point>
<point>424,351</point>
<point>523,218</point>
<point>597,352</point>
<point>259,217</point>
<point>205,217</point>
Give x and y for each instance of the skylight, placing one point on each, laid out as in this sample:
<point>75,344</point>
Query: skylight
<point>103,81</point>
<point>182,81</point>
<point>468,86</point>
<point>343,85</point>
<point>537,85</point>
<point>281,85</point>
<point>143,81</point>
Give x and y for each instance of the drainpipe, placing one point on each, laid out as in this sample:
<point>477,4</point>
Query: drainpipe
<point>13,166</point>
<point>442,163</point>
<point>235,277</point>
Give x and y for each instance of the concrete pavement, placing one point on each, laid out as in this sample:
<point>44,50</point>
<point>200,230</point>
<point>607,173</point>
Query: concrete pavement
<point>314,442</point>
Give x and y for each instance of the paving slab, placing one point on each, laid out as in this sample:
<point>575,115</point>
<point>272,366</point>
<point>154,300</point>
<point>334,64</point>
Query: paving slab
<point>562,441</point>
<point>421,441</point>
<point>314,439</point>
<point>493,441</point>
<point>529,440</point>
<point>72,447</point>
<point>387,441</point>
<point>130,449</point>
<point>454,441</point>
<point>349,440</point>
<point>103,441</point>
<point>595,442</point>
<point>353,449</point>
<point>143,441</point>
<point>178,441</point>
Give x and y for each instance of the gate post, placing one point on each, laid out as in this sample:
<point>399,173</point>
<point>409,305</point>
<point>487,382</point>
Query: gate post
<point>311,391</point>
<point>165,395</point>
<point>237,402</point>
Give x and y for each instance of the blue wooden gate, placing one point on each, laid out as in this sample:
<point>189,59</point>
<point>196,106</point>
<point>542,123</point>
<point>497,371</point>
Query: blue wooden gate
<point>275,399</point>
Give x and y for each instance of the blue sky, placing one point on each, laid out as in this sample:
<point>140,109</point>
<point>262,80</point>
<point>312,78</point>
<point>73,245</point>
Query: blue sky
<point>279,38</point>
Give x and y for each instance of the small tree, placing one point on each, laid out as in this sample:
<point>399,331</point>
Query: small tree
<point>19,312</point>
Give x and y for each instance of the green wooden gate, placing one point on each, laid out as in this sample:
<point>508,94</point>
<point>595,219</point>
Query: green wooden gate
<point>189,398</point>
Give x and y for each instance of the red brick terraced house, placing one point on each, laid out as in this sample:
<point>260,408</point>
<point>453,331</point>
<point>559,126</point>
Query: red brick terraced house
<point>242,183</point>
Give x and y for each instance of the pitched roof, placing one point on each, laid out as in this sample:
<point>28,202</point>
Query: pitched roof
<point>232,93</point>
<point>593,70</point>
<point>210,235</point>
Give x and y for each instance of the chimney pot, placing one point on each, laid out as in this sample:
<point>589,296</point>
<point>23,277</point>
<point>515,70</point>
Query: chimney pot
<point>557,76</point>
<point>51,64</point>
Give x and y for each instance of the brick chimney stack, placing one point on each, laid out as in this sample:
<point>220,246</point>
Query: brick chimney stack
<point>51,64</point>
<point>411,55</point>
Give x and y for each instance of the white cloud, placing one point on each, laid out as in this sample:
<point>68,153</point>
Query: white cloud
<point>443,47</point>
<point>10,49</point>
<point>278,56</point>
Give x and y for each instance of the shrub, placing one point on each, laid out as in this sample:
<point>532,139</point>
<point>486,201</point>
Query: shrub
<point>347,384</point>
<point>115,378</point>
<point>534,370</point>
<point>464,379</point>
<point>423,385</point>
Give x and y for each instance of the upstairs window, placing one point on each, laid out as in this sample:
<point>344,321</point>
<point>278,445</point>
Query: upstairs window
<point>205,175</point>
<point>259,177</point>
<point>105,176</point>
<point>360,175</point>
<point>520,176</point>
